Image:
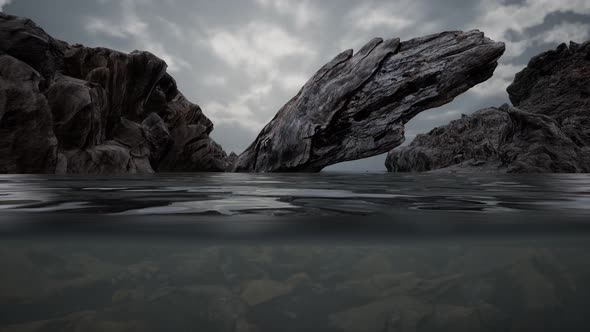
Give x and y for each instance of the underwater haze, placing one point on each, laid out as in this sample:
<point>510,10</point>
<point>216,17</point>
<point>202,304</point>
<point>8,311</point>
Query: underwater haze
<point>295,252</point>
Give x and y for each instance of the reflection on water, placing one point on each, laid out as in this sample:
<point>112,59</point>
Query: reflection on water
<point>290,252</point>
<point>295,194</point>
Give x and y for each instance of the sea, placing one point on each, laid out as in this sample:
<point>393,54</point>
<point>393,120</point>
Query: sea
<point>331,251</point>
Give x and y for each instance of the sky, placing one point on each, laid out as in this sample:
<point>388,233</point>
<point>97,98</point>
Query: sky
<point>241,60</point>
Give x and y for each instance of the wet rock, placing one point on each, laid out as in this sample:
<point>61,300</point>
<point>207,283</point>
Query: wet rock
<point>556,84</point>
<point>393,314</point>
<point>472,140</point>
<point>535,143</point>
<point>23,39</point>
<point>546,131</point>
<point>259,291</point>
<point>27,141</point>
<point>356,105</point>
<point>502,139</point>
<point>75,109</point>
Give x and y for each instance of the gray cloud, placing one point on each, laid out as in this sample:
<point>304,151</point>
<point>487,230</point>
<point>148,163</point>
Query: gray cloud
<point>242,60</point>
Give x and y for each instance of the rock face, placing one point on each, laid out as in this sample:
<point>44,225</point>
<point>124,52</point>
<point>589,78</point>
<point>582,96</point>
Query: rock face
<point>356,105</point>
<point>546,131</point>
<point>471,139</point>
<point>557,84</point>
<point>73,109</point>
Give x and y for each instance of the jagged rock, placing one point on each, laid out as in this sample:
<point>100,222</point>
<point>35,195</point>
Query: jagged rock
<point>535,143</point>
<point>548,132</point>
<point>557,84</point>
<point>22,39</point>
<point>356,105</point>
<point>472,140</point>
<point>502,139</point>
<point>27,141</point>
<point>74,109</point>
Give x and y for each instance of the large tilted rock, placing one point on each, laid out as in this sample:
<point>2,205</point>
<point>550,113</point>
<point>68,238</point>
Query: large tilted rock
<point>356,105</point>
<point>73,109</point>
<point>547,131</point>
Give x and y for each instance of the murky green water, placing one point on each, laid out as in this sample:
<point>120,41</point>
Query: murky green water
<point>327,252</point>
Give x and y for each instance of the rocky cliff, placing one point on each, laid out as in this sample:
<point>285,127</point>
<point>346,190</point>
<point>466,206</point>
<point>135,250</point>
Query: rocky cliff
<point>547,130</point>
<point>357,104</point>
<point>73,109</point>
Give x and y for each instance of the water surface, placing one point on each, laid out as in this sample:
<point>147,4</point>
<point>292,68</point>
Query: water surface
<point>295,252</point>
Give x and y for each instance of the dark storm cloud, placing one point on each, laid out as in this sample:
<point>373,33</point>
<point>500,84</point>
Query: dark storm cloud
<point>242,60</point>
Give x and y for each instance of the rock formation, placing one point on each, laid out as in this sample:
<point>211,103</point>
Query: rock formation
<point>356,105</point>
<point>73,109</point>
<point>471,139</point>
<point>546,131</point>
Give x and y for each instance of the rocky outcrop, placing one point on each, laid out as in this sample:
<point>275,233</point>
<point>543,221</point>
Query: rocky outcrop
<point>503,139</point>
<point>472,140</point>
<point>546,131</point>
<point>356,105</point>
<point>557,84</point>
<point>74,109</point>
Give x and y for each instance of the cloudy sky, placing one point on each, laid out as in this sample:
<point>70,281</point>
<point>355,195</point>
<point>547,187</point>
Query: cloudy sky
<point>241,60</point>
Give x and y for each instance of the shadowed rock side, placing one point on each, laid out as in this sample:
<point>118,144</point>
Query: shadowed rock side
<point>471,140</point>
<point>502,139</point>
<point>557,84</point>
<point>356,105</point>
<point>548,132</point>
<point>73,109</point>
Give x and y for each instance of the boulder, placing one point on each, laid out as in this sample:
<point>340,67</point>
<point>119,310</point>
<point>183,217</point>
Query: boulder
<point>74,109</point>
<point>27,141</point>
<point>546,130</point>
<point>357,104</point>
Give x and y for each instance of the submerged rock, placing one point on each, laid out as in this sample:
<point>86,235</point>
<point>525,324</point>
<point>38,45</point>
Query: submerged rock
<point>546,131</point>
<point>74,109</point>
<point>356,105</point>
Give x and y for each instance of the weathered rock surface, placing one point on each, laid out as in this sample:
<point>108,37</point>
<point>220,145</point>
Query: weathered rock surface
<point>557,84</point>
<point>73,109</point>
<point>547,131</point>
<point>356,105</point>
<point>472,139</point>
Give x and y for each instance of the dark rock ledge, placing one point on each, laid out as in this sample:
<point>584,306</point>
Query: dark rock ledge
<point>547,130</point>
<point>73,109</point>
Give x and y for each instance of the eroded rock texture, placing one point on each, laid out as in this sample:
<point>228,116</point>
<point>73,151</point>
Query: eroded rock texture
<point>557,84</point>
<point>547,131</point>
<point>356,105</point>
<point>73,109</point>
<point>471,140</point>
